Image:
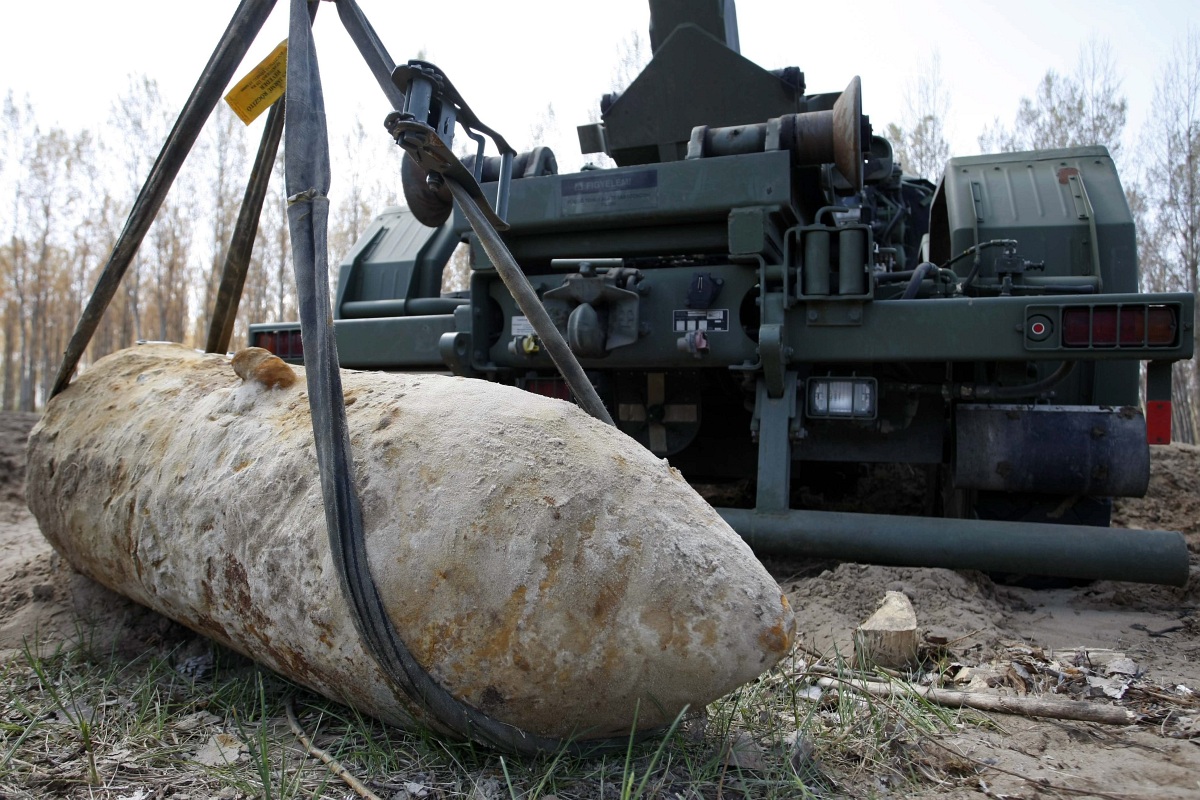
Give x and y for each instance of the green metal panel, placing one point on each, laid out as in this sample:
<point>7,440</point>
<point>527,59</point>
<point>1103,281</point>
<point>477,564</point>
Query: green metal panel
<point>1064,207</point>
<point>392,343</point>
<point>653,119</point>
<point>396,259</point>
<point>647,210</point>
<point>718,18</point>
<point>1050,202</point>
<point>965,329</point>
<point>895,331</point>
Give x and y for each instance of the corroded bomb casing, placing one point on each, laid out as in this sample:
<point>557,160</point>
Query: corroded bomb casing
<point>541,566</point>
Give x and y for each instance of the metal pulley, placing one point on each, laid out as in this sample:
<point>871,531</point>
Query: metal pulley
<point>425,129</point>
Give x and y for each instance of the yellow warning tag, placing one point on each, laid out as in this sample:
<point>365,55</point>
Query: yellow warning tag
<point>256,92</point>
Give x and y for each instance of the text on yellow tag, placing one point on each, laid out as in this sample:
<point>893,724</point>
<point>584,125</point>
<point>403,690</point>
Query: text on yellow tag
<point>256,92</point>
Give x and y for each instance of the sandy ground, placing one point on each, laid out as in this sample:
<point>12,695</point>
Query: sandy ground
<point>1105,643</point>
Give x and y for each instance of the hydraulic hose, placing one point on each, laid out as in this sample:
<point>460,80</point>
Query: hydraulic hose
<point>975,250</point>
<point>914,283</point>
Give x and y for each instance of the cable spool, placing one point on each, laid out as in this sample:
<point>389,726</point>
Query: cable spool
<point>812,137</point>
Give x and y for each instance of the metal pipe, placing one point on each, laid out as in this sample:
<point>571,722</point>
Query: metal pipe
<point>1065,551</point>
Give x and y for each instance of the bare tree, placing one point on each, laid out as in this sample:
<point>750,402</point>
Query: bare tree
<point>284,286</point>
<point>1104,106</point>
<point>544,127</point>
<point>920,141</point>
<point>37,257</point>
<point>456,277</point>
<point>225,172</point>
<point>95,234</point>
<point>140,123</point>
<point>1169,229</point>
<point>15,144</point>
<point>633,54</point>
<point>367,172</point>
<point>349,216</point>
<point>169,247</point>
<point>270,291</point>
<point>1083,108</point>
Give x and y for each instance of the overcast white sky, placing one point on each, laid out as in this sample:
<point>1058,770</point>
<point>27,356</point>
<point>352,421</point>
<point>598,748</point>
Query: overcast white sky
<point>510,59</point>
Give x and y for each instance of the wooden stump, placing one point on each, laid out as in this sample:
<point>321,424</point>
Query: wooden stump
<point>889,638</point>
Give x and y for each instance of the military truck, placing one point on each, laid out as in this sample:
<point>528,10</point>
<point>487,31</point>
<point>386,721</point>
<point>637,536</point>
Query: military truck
<point>759,294</point>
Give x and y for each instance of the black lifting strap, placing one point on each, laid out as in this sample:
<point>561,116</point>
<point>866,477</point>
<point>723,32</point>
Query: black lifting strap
<point>245,25</point>
<point>306,156</point>
<point>241,245</point>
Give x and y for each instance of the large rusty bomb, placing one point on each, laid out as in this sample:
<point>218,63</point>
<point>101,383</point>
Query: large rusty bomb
<point>542,566</point>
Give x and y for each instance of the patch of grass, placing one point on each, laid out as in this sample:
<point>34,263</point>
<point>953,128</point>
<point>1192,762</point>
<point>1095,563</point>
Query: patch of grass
<point>79,724</point>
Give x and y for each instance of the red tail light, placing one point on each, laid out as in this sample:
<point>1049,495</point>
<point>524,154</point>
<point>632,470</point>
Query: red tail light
<point>1119,326</point>
<point>549,387</point>
<point>285,344</point>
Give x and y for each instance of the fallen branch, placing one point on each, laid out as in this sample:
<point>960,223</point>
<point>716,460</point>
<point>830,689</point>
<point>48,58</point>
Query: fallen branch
<point>844,672</point>
<point>334,765</point>
<point>1022,706</point>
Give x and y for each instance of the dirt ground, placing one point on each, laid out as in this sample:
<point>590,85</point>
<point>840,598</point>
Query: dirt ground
<point>1104,643</point>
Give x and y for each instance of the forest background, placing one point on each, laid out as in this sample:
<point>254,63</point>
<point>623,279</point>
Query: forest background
<point>65,194</point>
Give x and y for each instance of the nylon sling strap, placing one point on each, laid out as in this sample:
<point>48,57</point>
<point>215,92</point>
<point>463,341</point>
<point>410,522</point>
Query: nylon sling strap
<point>306,154</point>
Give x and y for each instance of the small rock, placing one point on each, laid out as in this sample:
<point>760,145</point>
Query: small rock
<point>742,752</point>
<point>1121,666</point>
<point>486,789</point>
<point>1106,687</point>
<point>695,726</point>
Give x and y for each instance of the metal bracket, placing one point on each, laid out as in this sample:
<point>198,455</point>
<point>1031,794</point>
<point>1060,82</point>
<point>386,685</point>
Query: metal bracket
<point>425,129</point>
<point>774,416</point>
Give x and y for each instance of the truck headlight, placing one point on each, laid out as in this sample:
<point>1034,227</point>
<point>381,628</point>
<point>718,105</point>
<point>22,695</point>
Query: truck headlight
<point>842,398</point>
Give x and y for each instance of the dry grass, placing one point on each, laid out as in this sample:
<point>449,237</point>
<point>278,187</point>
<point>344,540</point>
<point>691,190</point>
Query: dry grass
<point>80,724</point>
